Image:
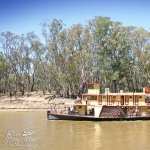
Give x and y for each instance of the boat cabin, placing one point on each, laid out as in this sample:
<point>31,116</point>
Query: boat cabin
<point>94,97</point>
<point>117,99</point>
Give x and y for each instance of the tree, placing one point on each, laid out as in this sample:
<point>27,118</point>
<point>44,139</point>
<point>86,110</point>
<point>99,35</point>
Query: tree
<point>101,51</point>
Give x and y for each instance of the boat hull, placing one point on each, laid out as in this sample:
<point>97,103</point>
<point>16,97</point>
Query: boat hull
<point>52,116</point>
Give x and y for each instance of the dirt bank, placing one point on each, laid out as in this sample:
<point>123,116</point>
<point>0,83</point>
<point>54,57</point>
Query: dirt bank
<point>33,102</point>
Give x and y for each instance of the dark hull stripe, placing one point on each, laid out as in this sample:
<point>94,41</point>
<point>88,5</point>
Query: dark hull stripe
<point>91,118</point>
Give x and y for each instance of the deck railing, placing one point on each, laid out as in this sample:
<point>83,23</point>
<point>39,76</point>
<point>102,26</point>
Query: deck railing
<point>60,109</point>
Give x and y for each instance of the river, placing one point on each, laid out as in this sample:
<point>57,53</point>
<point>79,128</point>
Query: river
<point>32,131</point>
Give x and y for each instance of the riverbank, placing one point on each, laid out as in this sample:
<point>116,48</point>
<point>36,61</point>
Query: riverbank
<point>34,102</point>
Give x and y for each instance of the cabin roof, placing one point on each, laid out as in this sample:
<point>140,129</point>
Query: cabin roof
<point>117,94</point>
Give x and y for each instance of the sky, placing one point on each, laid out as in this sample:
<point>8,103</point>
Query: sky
<point>22,16</point>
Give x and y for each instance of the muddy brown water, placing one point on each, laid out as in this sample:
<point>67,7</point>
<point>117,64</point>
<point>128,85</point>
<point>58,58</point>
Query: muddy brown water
<point>32,131</point>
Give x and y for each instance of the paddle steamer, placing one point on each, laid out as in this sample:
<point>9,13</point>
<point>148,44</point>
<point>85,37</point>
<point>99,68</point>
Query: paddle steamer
<point>107,106</point>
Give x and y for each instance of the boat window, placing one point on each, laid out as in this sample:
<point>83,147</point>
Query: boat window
<point>127,101</point>
<point>93,97</point>
<point>80,107</point>
<point>100,101</point>
<point>147,99</point>
<point>137,102</point>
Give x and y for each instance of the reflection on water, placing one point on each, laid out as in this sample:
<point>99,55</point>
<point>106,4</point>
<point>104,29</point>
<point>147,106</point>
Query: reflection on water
<point>32,131</point>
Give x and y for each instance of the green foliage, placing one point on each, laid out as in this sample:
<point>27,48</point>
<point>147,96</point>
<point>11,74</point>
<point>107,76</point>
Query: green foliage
<point>102,51</point>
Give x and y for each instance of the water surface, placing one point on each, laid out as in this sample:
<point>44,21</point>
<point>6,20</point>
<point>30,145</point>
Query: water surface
<point>32,131</point>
